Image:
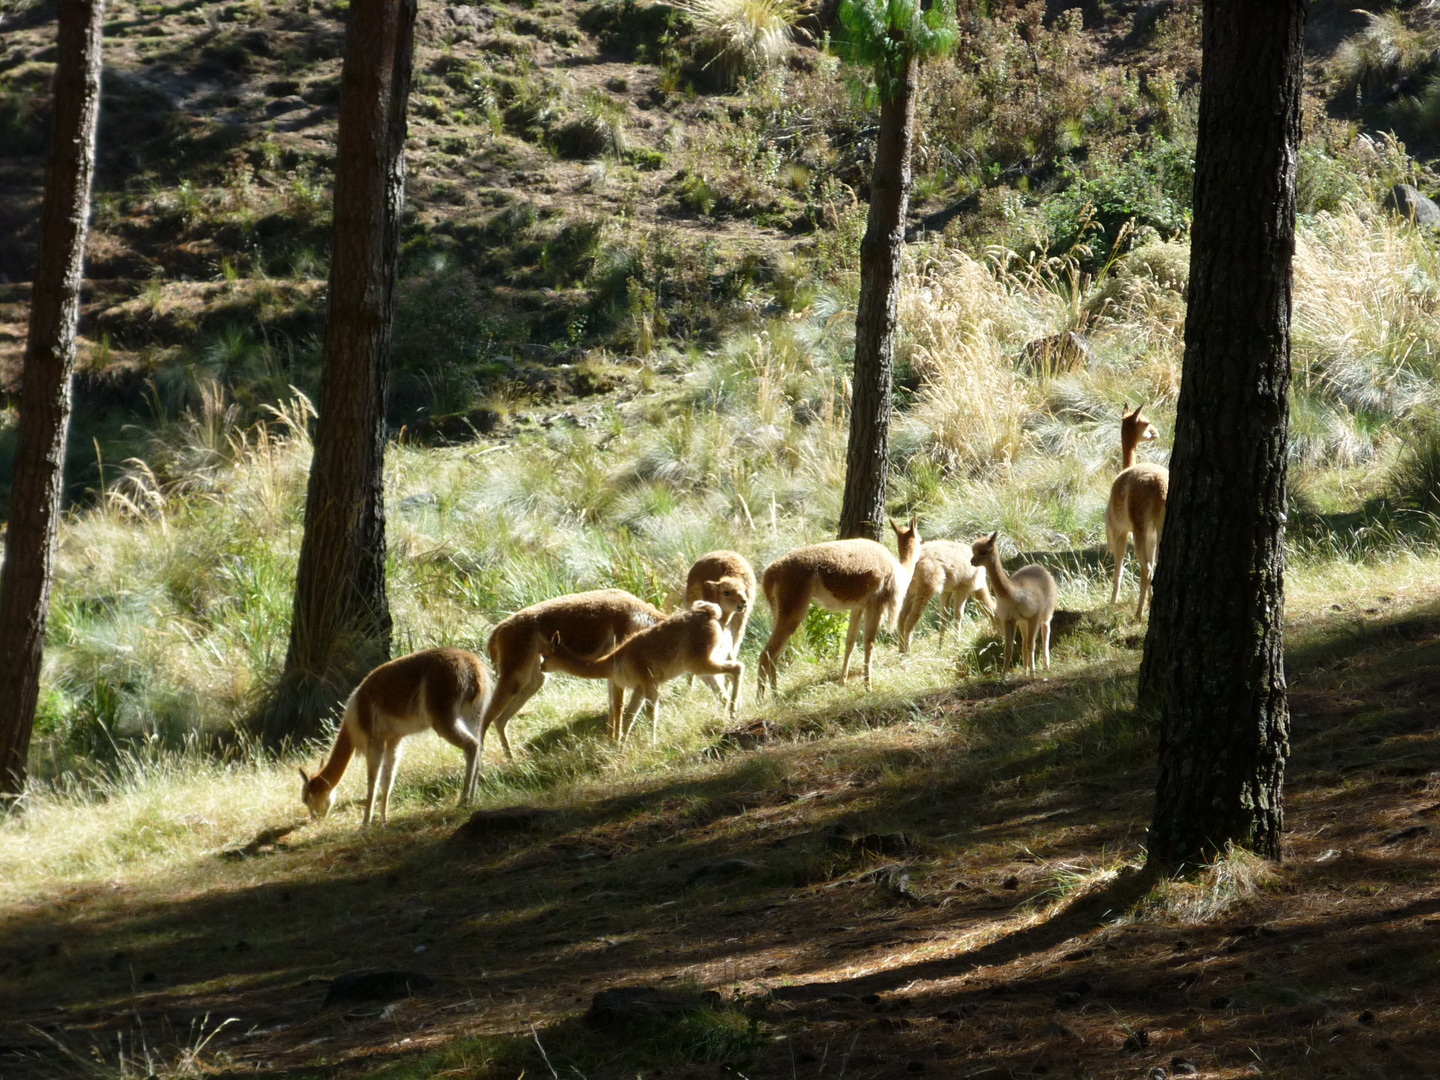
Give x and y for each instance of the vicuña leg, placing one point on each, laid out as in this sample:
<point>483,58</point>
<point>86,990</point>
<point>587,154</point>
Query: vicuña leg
<point>1117,546</point>
<point>787,620</point>
<point>850,635</point>
<point>1145,556</point>
<point>458,733</point>
<point>514,690</point>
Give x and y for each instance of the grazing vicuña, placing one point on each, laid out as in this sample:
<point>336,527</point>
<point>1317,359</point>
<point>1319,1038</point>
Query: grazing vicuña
<point>444,690</point>
<point>858,576</point>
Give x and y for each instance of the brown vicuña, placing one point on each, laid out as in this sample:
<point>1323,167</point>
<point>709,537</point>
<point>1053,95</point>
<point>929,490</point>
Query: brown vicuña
<point>859,576</point>
<point>1025,599</point>
<point>689,642</point>
<point>589,624</point>
<point>1137,505</point>
<point>944,570</point>
<point>443,690</point>
<point>714,566</point>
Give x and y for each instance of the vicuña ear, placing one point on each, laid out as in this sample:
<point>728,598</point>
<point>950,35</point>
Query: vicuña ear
<point>892,524</point>
<point>994,536</point>
<point>304,776</point>
<point>1138,408</point>
<point>914,521</point>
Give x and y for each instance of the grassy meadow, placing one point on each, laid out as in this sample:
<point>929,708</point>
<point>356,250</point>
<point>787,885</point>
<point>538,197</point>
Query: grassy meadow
<point>172,601</point>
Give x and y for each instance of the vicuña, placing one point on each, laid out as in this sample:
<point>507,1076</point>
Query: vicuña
<point>944,570</point>
<point>716,566</point>
<point>588,624</point>
<point>444,690</point>
<point>1137,505</point>
<point>692,641</point>
<point>1025,599</point>
<point>859,576</point>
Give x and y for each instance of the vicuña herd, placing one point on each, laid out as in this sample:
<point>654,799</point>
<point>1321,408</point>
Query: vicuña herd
<point>610,634</point>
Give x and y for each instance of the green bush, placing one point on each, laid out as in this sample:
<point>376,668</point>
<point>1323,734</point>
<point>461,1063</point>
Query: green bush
<point>1149,186</point>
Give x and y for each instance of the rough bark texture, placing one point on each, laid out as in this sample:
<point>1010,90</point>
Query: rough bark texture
<point>867,460</point>
<point>341,623</point>
<point>1213,654</point>
<point>45,395</point>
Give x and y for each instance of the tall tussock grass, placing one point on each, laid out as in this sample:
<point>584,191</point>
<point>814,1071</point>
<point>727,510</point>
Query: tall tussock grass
<point>173,591</point>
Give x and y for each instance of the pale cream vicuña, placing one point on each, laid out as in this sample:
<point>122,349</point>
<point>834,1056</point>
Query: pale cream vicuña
<point>944,570</point>
<point>1137,505</point>
<point>589,624</point>
<point>689,642</point>
<point>858,576</point>
<point>1025,599</point>
<point>440,690</point>
<point>713,566</point>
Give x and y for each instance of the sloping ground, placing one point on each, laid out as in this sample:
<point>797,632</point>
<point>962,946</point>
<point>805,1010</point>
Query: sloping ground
<point>936,888</point>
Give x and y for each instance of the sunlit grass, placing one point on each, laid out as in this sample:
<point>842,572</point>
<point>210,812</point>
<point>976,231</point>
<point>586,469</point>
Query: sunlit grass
<point>173,594</point>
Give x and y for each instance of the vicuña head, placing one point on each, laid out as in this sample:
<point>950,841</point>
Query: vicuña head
<point>1135,428</point>
<point>859,576</point>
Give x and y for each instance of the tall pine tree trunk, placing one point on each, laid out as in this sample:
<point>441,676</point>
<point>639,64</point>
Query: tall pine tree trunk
<point>1213,654</point>
<point>45,393</point>
<point>341,623</point>
<point>867,460</point>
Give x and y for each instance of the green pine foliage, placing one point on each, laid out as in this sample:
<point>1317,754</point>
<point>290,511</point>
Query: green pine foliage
<point>883,36</point>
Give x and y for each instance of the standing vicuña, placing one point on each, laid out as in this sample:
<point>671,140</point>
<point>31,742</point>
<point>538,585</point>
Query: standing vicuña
<point>858,576</point>
<point>443,690</point>
<point>691,642</point>
<point>944,570</point>
<point>715,566</point>
<point>1137,504</point>
<point>589,624</point>
<point>1025,598</point>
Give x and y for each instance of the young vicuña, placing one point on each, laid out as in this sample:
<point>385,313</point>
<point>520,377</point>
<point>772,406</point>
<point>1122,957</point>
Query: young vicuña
<point>444,690</point>
<point>858,576</point>
<point>1025,598</point>
<point>944,570</point>
<point>1137,505</point>
<point>589,624</point>
<point>692,641</point>
<point>714,566</point>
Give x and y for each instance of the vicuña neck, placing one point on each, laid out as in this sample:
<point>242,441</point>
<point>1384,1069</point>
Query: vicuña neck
<point>340,754</point>
<point>999,580</point>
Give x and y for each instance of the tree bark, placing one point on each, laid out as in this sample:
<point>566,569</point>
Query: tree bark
<point>341,623</point>
<point>45,394</point>
<point>867,459</point>
<point>1214,650</point>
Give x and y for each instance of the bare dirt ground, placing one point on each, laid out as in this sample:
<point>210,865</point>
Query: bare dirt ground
<point>965,932</point>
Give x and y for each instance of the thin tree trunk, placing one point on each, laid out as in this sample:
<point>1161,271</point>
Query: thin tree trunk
<point>341,624</point>
<point>867,460</point>
<point>45,395</point>
<point>1213,653</point>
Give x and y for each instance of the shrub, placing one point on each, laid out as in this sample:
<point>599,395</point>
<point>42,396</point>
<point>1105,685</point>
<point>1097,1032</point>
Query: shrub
<point>597,127</point>
<point>1151,187</point>
<point>742,38</point>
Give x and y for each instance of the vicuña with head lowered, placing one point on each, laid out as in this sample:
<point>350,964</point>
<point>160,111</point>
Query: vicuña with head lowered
<point>440,690</point>
<point>858,576</point>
